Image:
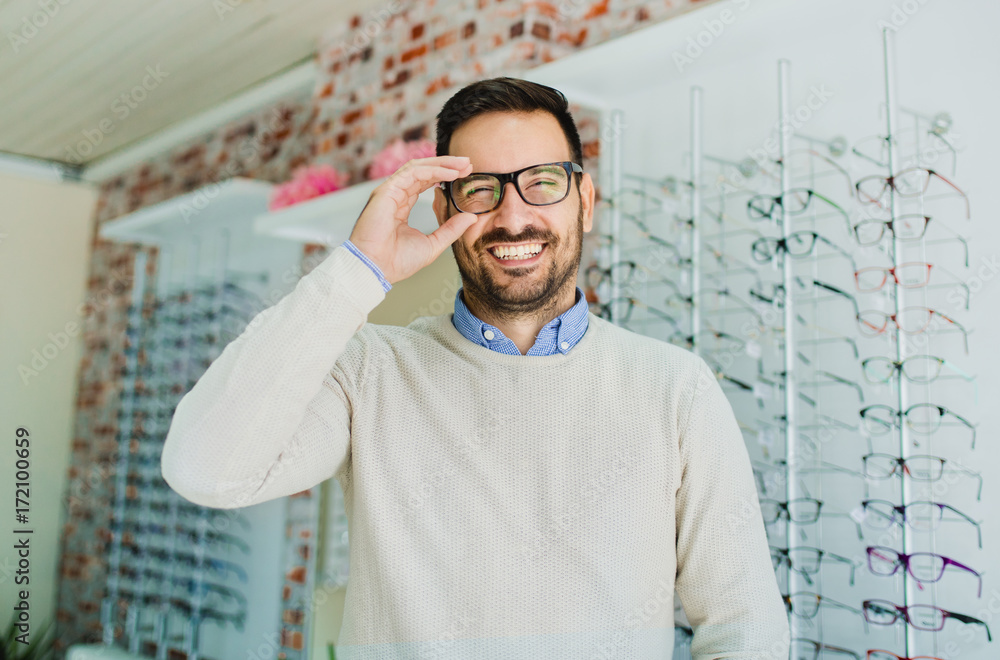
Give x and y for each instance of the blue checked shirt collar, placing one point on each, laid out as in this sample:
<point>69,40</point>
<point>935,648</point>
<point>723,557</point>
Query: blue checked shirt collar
<point>557,336</point>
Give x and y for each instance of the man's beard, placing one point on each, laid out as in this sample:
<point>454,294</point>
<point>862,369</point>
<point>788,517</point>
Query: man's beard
<point>517,299</point>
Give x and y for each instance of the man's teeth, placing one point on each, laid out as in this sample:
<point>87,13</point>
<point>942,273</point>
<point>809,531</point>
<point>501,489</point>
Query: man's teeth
<point>517,252</point>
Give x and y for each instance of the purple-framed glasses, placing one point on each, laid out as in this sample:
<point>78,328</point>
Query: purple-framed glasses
<point>922,566</point>
<point>921,617</point>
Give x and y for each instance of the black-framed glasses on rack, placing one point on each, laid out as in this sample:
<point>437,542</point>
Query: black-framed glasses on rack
<point>922,418</point>
<point>807,560</point>
<point>924,567</point>
<point>763,207</point>
<point>924,516</point>
<point>911,321</point>
<point>802,510</point>
<point>810,649</point>
<point>920,467</point>
<point>675,259</point>
<point>622,271</point>
<point>806,604</point>
<point>922,617</point>
<point>906,227</point>
<point>916,369</point>
<point>620,309</point>
<point>798,245</point>
<point>911,182</point>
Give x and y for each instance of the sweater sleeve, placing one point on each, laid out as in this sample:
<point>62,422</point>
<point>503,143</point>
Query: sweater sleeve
<point>271,415</point>
<point>725,578</point>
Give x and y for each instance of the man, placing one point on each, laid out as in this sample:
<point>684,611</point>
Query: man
<point>523,479</point>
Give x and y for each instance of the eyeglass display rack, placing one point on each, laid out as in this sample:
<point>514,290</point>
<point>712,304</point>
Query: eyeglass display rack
<point>187,581</point>
<point>809,435</point>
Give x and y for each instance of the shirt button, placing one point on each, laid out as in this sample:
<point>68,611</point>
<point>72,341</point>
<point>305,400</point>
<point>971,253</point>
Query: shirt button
<point>488,334</point>
<point>564,345</point>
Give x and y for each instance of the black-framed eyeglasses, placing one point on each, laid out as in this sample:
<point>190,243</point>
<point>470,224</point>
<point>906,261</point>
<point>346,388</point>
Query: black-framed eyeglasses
<point>809,649</point>
<point>922,418</point>
<point>921,617</point>
<point>537,185</point>
<point>906,227</point>
<point>794,202</point>
<point>806,604</point>
<point>807,560</point>
<point>921,515</point>
<point>798,244</point>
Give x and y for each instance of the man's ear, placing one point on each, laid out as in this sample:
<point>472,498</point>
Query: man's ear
<point>587,195</point>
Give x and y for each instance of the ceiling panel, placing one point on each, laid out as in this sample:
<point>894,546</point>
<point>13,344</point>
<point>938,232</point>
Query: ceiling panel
<point>70,75</point>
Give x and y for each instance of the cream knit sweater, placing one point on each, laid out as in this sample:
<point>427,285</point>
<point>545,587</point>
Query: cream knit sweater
<point>499,506</point>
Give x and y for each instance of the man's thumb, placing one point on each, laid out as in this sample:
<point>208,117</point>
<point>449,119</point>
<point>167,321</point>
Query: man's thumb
<point>451,230</point>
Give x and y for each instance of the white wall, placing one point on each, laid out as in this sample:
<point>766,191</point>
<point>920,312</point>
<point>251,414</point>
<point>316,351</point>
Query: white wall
<point>45,233</point>
<point>947,56</point>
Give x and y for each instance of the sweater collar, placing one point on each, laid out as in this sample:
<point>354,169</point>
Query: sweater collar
<point>559,335</point>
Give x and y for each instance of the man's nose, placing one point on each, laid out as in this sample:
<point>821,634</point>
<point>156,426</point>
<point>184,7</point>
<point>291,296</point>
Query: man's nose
<point>512,212</point>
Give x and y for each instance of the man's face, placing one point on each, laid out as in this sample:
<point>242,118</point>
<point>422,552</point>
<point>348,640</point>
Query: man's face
<point>506,142</point>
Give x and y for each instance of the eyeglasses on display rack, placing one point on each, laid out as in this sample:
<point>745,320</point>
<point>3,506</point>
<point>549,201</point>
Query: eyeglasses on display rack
<point>879,654</point>
<point>806,604</point>
<point>537,185</point>
<point>803,510</point>
<point>922,617</point>
<point>911,321</point>
<point>922,418</point>
<point>906,227</point>
<point>910,275</point>
<point>622,271</point>
<point>798,245</point>
<point>911,182</point>
<point>924,567</point>
<point>675,259</point>
<point>808,560</point>
<point>916,368</point>
<point>923,516</point>
<point>620,309</point>
<point>763,207</point>
<point>810,649</point>
<point>919,468</point>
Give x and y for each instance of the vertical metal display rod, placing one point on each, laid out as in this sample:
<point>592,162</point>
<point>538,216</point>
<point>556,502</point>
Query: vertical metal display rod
<point>695,215</point>
<point>791,387</point>
<point>109,606</point>
<point>897,248</point>
<point>615,180</point>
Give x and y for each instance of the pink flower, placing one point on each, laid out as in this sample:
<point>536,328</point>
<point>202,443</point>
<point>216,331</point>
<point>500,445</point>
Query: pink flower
<point>397,153</point>
<point>307,183</point>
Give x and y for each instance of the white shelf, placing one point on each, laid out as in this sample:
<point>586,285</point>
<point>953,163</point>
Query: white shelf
<point>231,204</point>
<point>329,219</point>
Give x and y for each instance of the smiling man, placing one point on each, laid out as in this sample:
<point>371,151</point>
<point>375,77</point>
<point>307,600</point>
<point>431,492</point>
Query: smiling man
<point>522,478</point>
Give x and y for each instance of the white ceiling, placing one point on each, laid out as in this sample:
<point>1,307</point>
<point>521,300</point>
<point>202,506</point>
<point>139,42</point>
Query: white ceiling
<point>65,78</point>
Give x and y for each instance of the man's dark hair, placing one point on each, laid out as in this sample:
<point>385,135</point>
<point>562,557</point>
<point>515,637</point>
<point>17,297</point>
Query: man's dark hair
<point>506,95</point>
